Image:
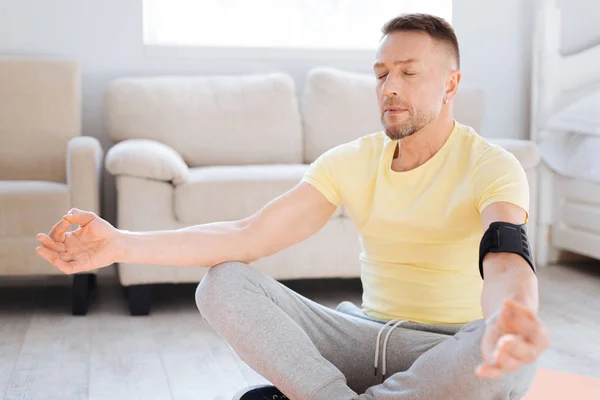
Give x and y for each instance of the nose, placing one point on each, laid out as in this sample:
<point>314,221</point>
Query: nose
<point>392,85</point>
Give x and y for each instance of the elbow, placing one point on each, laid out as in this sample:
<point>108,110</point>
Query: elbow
<point>505,263</point>
<point>246,246</point>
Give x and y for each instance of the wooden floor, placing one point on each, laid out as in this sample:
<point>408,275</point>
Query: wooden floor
<point>47,354</point>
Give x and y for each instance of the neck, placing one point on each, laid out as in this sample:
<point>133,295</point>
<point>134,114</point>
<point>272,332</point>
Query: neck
<point>416,149</point>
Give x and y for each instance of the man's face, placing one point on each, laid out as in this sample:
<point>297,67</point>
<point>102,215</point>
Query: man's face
<point>411,72</point>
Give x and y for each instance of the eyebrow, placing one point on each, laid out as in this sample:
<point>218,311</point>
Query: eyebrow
<point>407,61</point>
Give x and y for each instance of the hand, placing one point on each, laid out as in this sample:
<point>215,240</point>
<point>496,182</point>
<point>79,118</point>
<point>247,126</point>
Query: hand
<point>89,247</point>
<point>514,337</point>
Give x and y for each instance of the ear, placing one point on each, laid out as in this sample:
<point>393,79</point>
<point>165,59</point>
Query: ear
<point>452,83</point>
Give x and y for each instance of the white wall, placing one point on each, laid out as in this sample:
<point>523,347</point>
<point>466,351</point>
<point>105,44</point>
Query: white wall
<point>105,36</point>
<point>580,24</point>
<point>496,41</point>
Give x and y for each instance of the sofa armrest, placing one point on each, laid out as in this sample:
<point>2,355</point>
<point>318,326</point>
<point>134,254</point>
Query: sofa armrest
<point>524,150</point>
<point>84,172</point>
<point>145,158</point>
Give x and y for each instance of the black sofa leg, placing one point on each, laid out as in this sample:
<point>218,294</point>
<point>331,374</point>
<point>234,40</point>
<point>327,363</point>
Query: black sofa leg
<point>83,287</point>
<point>140,298</point>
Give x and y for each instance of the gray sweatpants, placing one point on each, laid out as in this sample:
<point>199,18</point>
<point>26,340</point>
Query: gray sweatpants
<point>311,352</point>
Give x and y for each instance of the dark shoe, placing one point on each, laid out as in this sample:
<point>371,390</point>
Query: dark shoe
<point>262,392</point>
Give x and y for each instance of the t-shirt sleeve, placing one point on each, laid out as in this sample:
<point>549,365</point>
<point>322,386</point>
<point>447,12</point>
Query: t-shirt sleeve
<point>322,174</point>
<point>499,176</point>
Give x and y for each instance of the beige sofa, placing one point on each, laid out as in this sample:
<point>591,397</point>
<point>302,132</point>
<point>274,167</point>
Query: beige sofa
<point>193,150</point>
<point>46,167</point>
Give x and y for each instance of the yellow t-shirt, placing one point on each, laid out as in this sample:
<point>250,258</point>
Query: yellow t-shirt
<point>420,229</point>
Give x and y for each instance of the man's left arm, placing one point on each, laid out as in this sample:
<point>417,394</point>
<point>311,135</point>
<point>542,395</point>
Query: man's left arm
<point>514,335</point>
<point>507,276</point>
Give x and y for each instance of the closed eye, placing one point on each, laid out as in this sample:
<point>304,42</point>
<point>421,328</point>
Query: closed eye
<point>381,76</point>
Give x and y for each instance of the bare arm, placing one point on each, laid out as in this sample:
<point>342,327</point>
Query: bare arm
<point>286,220</point>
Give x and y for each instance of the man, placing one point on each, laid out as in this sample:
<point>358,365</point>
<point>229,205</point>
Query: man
<point>430,199</point>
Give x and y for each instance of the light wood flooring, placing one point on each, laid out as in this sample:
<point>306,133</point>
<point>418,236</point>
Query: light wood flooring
<point>45,353</point>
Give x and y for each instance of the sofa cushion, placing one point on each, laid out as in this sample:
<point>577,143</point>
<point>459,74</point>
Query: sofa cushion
<point>337,107</point>
<point>29,207</point>
<point>225,193</point>
<point>210,120</point>
<point>340,106</point>
<point>524,150</point>
<point>148,159</point>
<point>39,113</point>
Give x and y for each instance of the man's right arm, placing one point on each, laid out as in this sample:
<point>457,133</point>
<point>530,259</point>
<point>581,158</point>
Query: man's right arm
<point>283,222</point>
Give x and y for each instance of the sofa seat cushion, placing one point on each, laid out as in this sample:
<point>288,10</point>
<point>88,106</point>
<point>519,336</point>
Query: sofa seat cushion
<point>225,193</point>
<point>29,207</point>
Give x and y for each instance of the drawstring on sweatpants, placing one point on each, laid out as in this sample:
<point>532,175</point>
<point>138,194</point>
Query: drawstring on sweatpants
<point>395,323</point>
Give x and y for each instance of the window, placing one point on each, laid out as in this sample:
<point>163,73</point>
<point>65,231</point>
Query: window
<point>277,24</point>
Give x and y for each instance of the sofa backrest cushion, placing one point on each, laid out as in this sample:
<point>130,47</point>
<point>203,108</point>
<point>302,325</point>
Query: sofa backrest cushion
<point>340,106</point>
<point>210,120</point>
<point>40,111</point>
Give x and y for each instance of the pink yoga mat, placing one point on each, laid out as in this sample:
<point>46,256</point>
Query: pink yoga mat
<point>554,385</point>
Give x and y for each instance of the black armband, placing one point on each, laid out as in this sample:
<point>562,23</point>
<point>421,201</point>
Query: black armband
<point>504,237</point>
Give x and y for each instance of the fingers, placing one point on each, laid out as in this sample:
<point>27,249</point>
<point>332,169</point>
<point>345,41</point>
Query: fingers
<point>510,356</point>
<point>74,216</point>
<point>57,233</point>
<point>65,262</point>
<point>519,320</point>
<point>511,349</point>
<point>530,326</point>
<point>518,338</point>
<point>53,257</point>
<point>512,352</point>
<point>488,371</point>
<point>79,217</point>
<point>49,243</point>
<point>53,248</point>
<point>502,359</point>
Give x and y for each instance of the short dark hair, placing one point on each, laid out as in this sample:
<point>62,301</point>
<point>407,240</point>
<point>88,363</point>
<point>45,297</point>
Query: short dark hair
<point>436,27</point>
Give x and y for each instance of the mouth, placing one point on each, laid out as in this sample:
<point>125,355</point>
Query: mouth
<point>394,110</point>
